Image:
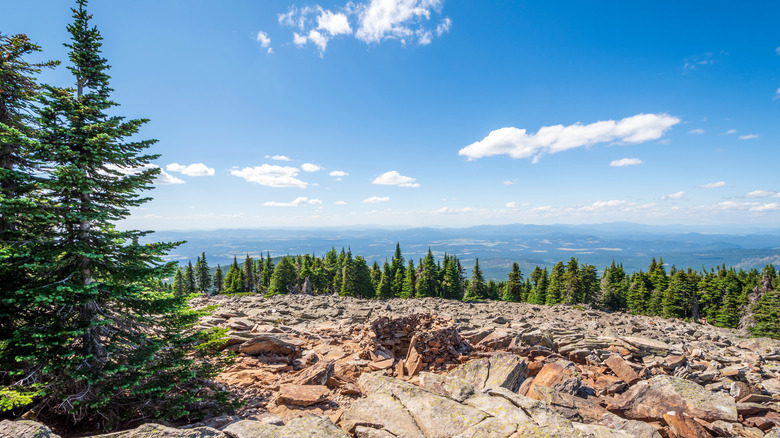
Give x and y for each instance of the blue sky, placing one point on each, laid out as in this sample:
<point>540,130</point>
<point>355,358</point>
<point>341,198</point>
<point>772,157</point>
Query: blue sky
<point>442,113</point>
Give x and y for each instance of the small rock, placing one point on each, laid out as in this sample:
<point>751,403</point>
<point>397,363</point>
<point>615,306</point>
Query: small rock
<point>302,395</point>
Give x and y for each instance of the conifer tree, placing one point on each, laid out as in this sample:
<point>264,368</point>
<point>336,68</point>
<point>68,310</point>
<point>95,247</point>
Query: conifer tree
<point>109,344</point>
<point>555,289</point>
<point>233,282</point>
<point>572,289</point>
<point>268,271</point>
<point>452,283</point>
<point>730,311</point>
<point>249,274</point>
<point>477,289</point>
<point>410,282</point>
<point>677,297</point>
<point>426,278</point>
<point>514,286</point>
<point>589,284</point>
<point>376,274</point>
<point>179,283</point>
<point>284,277</point>
<point>385,288</point>
<point>203,274</point>
<point>614,287</point>
<point>397,270</point>
<point>189,278</point>
<point>218,280</point>
<point>364,287</point>
<point>540,281</point>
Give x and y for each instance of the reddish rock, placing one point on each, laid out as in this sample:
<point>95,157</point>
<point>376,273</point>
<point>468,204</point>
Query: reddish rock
<point>302,395</point>
<point>316,374</point>
<point>684,426</point>
<point>622,369</point>
<point>561,376</point>
<point>606,384</point>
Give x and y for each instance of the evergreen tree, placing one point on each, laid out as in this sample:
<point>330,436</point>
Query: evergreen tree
<point>638,296</point>
<point>410,281</point>
<point>729,312</point>
<point>364,287</point>
<point>189,278</point>
<point>249,275</point>
<point>108,344</point>
<point>283,278</point>
<point>514,285</point>
<point>426,278</point>
<point>203,274</point>
<point>452,283</point>
<point>232,282</point>
<point>589,284</point>
<point>572,289</point>
<point>614,287</point>
<point>477,289</point>
<point>555,289</point>
<point>677,297</point>
<point>397,270</point>
<point>539,281</point>
<point>376,274</point>
<point>385,288</point>
<point>348,276</point>
<point>179,284</point>
<point>766,310</point>
<point>218,280</point>
<point>268,271</point>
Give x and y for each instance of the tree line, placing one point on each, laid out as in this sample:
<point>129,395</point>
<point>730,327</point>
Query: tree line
<point>721,296</point>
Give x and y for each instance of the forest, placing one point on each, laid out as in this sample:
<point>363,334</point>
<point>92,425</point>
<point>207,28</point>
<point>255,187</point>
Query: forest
<point>721,296</point>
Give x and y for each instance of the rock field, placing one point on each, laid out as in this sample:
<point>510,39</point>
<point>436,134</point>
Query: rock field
<point>329,366</point>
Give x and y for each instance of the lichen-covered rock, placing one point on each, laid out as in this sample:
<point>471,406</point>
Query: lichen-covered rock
<point>25,428</point>
<point>160,431</point>
<point>435,415</point>
<point>381,411</point>
<point>651,399</point>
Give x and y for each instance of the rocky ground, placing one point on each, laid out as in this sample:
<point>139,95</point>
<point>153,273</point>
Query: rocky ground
<point>328,366</point>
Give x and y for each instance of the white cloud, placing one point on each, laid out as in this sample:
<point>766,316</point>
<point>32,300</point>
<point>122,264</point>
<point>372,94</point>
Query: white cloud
<point>394,19</point>
<point>730,131</point>
<point>298,40</point>
<point>678,195</point>
<point>271,51</point>
<point>394,178</point>
<point>279,157</point>
<point>766,207</point>
<point>319,40</point>
<point>517,143</point>
<point>625,162</point>
<point>308,167</point>
<point>163,178</point>
<point>376,200</point>
<point>748,136</point>
<point>763,194</point>
<point>613,203</point>
<point>299,201</point>
<point>697,131</point>
<point>195,169</point>
<point>271,176</point>
<point>263,39</point>
<point>334,24</point>
<point>777,94</point>
<point>339,174</point>
<point>714,185</point>
<point>777,50</point>
<point>448,210</point>
<point>509,182</point>
<point>340,203</point>
<point>443,27</point>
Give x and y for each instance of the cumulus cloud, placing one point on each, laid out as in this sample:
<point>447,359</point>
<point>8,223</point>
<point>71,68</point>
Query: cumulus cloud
<point>714,185</point>
<point>340,203</point>
<point>696,131</point>
<point>299,201</point>
<point>163,178</point>
<point>374,20</point>
<point>748,136</point>
<point>623,162</point>
<point>730,131</point>
<point>766,207</point>
<point>448,210</point>
<point>763,194</point>
<point>509,182</point>
<point>376,199</point>
<point>279,157</point>
<point>339,174</point>
<point>195,169</point>
<point>270,176</point>
<point>333,23</point>
<point>678,195</point>
<point>517,143</point>
<point>777,50</point>
<point>394,178</point>
<point>308,167</point>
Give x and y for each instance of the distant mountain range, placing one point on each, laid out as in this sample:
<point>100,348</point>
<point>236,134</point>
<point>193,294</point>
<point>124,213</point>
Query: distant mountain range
<point>497,246</point>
